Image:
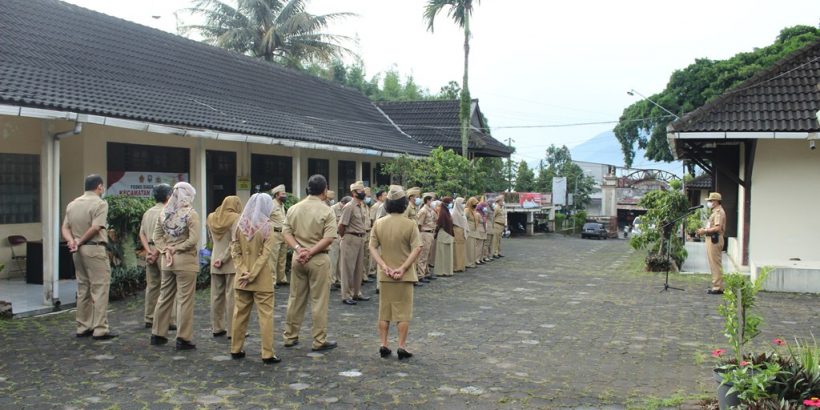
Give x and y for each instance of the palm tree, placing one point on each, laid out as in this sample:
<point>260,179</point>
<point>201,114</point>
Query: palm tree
<point>460,11</point>
<point>276,30</point>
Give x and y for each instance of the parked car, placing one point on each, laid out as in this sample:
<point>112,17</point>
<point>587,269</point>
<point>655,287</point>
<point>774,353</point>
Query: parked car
<point>594,230</point>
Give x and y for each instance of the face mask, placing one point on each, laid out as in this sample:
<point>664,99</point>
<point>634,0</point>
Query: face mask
<point>360,195</point>
<point>710,205</point>
<point>331,202</point>
<point>495,206</point>
<point>418,201</point>
<point>368,200</point>
<point>450,206</point>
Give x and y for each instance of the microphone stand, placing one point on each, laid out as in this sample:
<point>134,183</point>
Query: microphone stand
<point>664,227</point>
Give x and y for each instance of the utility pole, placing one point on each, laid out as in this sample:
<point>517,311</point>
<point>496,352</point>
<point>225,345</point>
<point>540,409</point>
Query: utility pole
<point>509,166</point>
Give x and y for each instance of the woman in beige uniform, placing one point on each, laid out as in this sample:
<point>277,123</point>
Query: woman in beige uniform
<point>473,237</point>
<point>481,222</point>
<point>460,237</point>
<point>395,245</point>
<point>251,248</point>
<point>221,225</point>
<point>444,239</point>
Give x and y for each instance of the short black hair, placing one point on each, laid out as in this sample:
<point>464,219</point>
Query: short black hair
<point>92,182</point>
<point>317,184</point>
<point>396,206</point>
<point>162,192</point>
<point>379,193</point>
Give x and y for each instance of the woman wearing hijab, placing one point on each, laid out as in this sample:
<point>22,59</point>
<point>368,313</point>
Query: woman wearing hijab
<point>221,225</point>
<point>251,249</point>
<point>460,235</point>
<point>395,244</point>
<point>482,232</point>
<point>176,236</point>
<point>473,237</point>
<point>445,236</point>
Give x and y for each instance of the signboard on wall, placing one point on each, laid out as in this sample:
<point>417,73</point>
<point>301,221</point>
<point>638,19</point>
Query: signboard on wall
<point>140,184</point>
<point>528,200</point>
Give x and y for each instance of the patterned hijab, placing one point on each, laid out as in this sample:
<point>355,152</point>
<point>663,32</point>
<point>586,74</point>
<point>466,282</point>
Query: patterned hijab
<point>178,210</point>
<point>256,216</point>
<point>459,219</point>
<point>221,220</point>
<point>481,208</point>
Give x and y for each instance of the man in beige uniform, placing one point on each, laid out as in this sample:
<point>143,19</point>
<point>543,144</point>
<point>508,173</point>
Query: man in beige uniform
<point>376,212</point>
<point>499,223</point>
<point>368,201</point>
<point>152,269</point>
<point>412,194</point>
<point>280,248</point>
<point>352,229</point>
<point>426,221</point>
<point>335,249</point>
<point>84,230</point>
<point>309,229</point>
<point>714,233</point>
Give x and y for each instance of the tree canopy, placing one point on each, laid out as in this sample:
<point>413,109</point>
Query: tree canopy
<point>558,163</point>
<point>643,125</point>
<point>524,178</point>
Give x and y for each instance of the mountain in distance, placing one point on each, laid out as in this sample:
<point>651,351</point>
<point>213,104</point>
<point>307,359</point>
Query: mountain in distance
<point>604,148</point>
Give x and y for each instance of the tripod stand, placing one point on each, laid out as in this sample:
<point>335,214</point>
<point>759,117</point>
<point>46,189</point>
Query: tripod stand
<point>664,228</point>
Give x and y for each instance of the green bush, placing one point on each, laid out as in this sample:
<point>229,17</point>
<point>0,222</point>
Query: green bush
<point>662,207</point>
<point>124,218</point>
<point>126,281</point>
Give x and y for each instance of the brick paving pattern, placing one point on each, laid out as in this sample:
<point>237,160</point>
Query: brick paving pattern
<point>559,323</point>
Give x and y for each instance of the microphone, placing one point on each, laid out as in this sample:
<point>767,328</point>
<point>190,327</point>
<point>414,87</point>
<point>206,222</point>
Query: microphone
<point>695,207</point>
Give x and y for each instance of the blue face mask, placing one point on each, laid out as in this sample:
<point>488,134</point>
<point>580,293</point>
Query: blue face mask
<point>418,201</point>
<point>450,206</point>
<point>368,200</point>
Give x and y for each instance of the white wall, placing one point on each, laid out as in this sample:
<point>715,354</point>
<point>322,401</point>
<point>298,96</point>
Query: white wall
<point>785,208</point>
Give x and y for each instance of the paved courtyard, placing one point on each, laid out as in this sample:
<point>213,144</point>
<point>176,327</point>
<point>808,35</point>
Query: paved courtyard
<point>559,323</point>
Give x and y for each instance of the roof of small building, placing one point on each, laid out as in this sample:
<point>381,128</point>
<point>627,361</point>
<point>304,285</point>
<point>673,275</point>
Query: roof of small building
<point>782,98</point>
<point>703,181</point>
<point>436,123</point>
<point>60,56</point>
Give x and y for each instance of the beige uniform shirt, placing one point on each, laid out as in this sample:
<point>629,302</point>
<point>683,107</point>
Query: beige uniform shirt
<point>410,212</point>
<point>375,210</point>
<point>717,218</point>
<point>186,257</point>
<point>254,256</point>
<point>222,251</point>
<point>337,211</point>
<point>277,215</point>
<point>427,219</point>
<point>381,212</point>
<point>149,222</point>
<point>354,217</point>
<point>473,222</point>
<point>500,218</point>
<point>310,221</point>
<point>397,237</point>
<point>84,212</point>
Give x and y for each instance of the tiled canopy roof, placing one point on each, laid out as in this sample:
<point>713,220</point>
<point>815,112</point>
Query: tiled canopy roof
<point>59,56</point>
<point>783,98</point>
<point>436,123</point>
<point>703,181</point>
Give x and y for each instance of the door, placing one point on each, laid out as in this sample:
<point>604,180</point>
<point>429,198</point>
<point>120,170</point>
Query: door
<point>220,169</point>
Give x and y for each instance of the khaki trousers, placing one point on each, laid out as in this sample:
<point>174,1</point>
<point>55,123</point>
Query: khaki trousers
<point>459,250</point>
<point>222,301</point>
<point>470,251</point>
<point>479,249</point>
<point>499,231</point>
<point>308,281</point>
<point>242,314</point>
<point>93,273</point>
<point>426,246</point>
<point>714,253</point>
<point>335,249</point>
<point>367,262</point>
<point>351,265</point>
<point>431,260</point>
<point>488,245</point>
<point>178,289</point>
<point>279,256</point>
<point>153,278</point>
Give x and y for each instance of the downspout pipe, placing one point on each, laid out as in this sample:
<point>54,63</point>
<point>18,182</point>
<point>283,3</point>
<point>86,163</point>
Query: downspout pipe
<point>54,206</point>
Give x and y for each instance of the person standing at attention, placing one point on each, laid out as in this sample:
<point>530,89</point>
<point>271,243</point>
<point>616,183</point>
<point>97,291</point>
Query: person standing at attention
<point>473,235</point>
<point>335,247</point>
<point>310,228</point>
<point>352,229</point>
<point>161,193</point>
<point>427,228</point>
<point>445,236</point>
<point>280,248</point>
<point>715,230</point>
<point>499,225</point>
<point>84,230</point>
<point>221,225</point>
<point>460,237</point>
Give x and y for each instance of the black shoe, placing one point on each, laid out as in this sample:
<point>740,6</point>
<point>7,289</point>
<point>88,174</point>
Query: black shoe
<point>283,283</point>
<point>350,302</point>
<point>377,291</point>
<point>479,262</point>
<point>294,343</point>
<point>384,352</point>
<point>715,292</point>
<point>237,356</point>
<point>107,336</point>
<point>87,333</point>
<point>424,280</point>
<point>220,333</point>
<point>403,354</point>
<point>183,344</point>
<point>271,360</point>
<point>172,327</point>
<point>367,280</point>
<point>432,277</point>
<point>362,298</point>
<point>276,286</point>
<point>158,340</point>
<point>334,289</point>
<point>148,325</point>
<point>499,256</point>
<point>417,284</point>
<point>325,346</point>
<point>336,285</point>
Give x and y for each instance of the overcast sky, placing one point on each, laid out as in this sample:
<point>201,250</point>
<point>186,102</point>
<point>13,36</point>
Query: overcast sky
<point>536,62</point>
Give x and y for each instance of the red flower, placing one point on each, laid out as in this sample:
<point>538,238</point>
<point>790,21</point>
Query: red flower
<point>744,363</point>
<point>778,341</point>
<point>814,402</point>
<point>718,352</point>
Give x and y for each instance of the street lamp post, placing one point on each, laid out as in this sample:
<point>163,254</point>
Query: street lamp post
<point>633,92</point>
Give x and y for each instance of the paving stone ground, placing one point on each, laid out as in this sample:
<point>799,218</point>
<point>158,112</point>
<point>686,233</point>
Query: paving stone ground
<point>559,323</point>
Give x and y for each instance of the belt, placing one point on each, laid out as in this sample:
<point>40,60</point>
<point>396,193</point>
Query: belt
<point>277,229</point>
<point>321,252</point>
<point>95,243</point>
<point>360,235</point>
<point>427,231</point>
<point>151,242</point>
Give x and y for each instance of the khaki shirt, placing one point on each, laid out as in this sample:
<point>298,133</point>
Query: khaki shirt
<point>310,221</point>
<point>84,212</point>
<point>500,217</point>
<point>253,256</point>
<point>397,237</point>
<point>222,251</point>
<point>375,209</point>
<point>410,212</point>
<point>149,222</point>
<point>381,212</point>
<point>427,219</point>
<point>717,218</point>
<point>337,211</point>
<point>354,217</point>
<point>277,215</point>
<point>473,223</point>
<point>186,257</point>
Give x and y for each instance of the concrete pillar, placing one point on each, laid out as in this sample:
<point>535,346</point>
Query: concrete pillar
<point>530,223</point>
<point>358,170</point>
<point>298,179</point>
<point>50,215</point>
<point>609,202</point>
<point>202,191</point>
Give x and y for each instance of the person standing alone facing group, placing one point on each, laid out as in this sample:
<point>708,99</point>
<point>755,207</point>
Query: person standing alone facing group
<point>221,225</point>
<point>714,230</point>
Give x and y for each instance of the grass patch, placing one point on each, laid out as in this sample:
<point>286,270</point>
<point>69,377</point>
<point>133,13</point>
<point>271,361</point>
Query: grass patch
<point>675,400</point>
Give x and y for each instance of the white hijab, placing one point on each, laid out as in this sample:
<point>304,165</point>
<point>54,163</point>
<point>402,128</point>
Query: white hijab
<point>256,215</point>
<point>178,209</point>
<point>459,219</point>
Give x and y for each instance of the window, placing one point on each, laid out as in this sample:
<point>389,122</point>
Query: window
<point>147,158</point>
<point>319,166</point>
<point>382,180</point>
<point>19,188</point>
<point>268,171</point>
<point>347,176</point>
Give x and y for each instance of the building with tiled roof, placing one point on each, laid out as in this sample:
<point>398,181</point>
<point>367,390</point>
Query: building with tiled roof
<point>757,142</point>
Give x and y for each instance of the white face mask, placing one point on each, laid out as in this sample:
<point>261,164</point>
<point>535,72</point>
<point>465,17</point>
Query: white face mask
<point>710,204</point>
